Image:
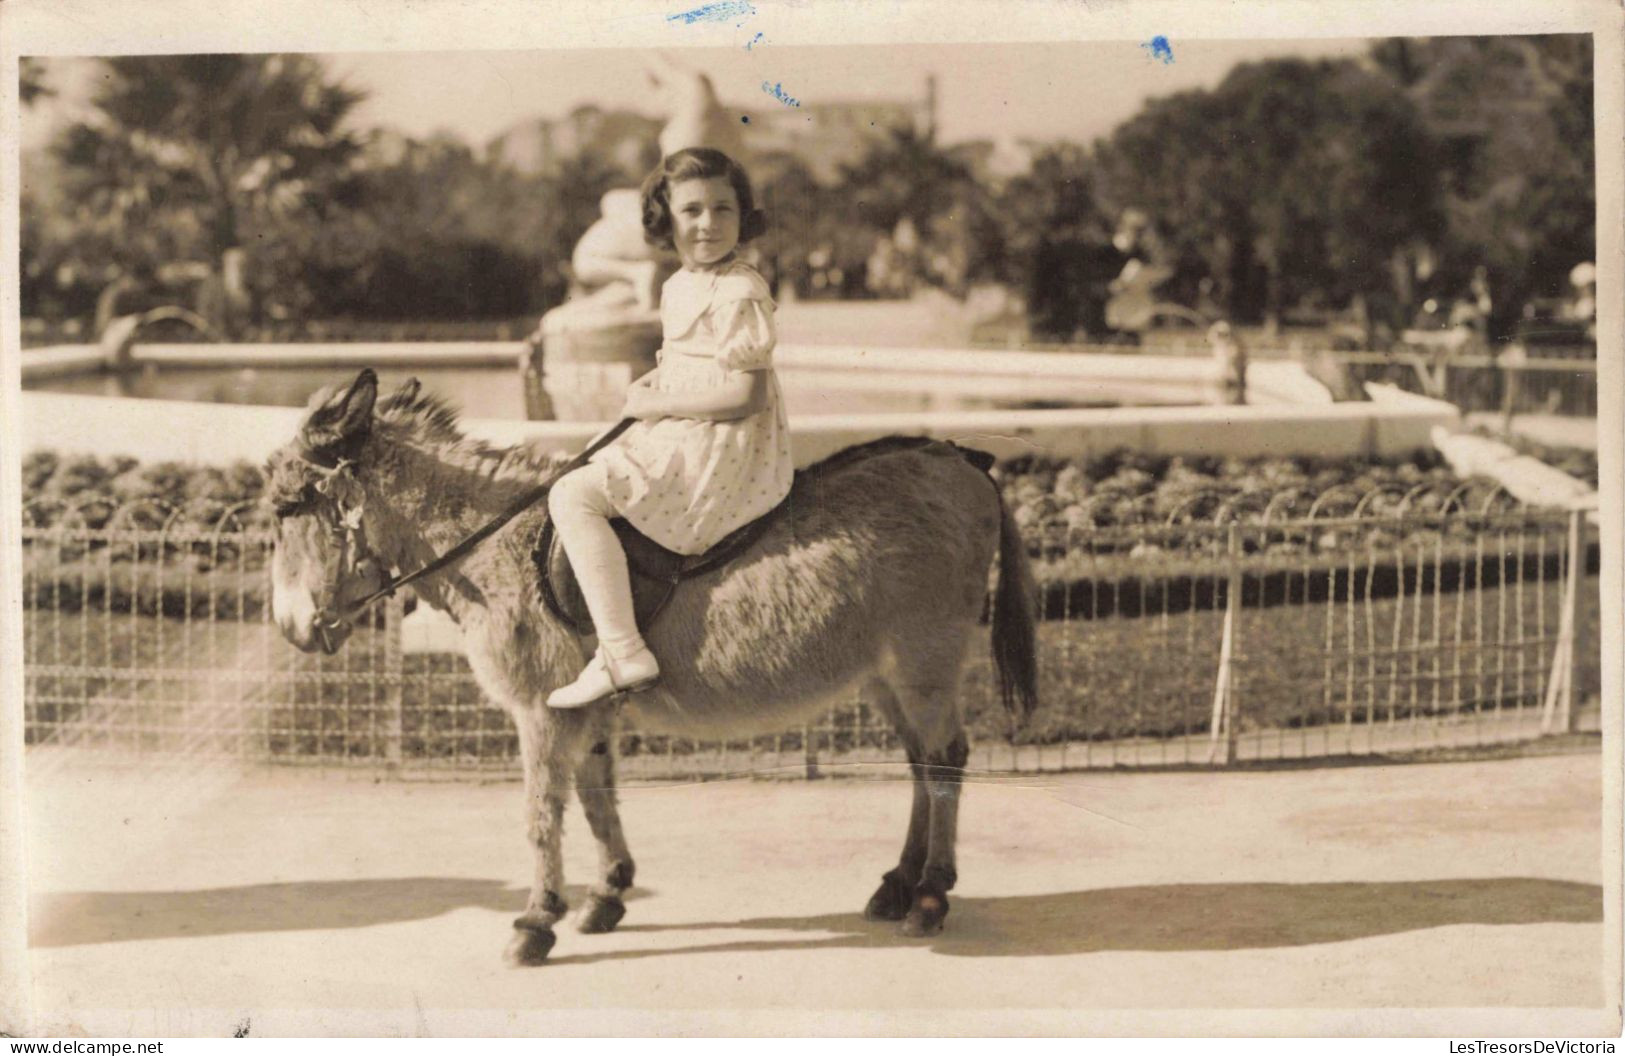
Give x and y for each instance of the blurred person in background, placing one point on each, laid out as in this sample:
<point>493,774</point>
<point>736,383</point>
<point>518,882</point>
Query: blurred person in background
<point>1229,363</point>
<point>1583,308</point>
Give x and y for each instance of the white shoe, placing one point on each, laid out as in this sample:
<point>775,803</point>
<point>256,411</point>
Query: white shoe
<point>604,678</point>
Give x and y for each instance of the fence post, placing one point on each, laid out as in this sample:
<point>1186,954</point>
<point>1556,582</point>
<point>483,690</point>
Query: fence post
<point>809,753</point>
<point>1558,714</point>
<point>1224,705</point>
<point>394,682</point>
<point>1577,561</point>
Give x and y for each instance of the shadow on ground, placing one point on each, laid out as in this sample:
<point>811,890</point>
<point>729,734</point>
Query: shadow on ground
<point>1174,918</point>
<point>74,918</point>
<point>1163,917</point>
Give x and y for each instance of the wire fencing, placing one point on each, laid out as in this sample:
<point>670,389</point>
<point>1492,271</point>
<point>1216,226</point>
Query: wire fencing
<point>1560,381</point>
<point>1292,627</point>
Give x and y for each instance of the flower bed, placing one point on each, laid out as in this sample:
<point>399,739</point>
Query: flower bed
<point>1130,488</point>
<point>174,539</point>
<point>1135,556</point>
<point>1046,494</point>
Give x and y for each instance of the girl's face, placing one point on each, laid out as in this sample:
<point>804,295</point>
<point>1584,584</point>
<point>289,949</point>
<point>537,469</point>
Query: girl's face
<point>704,220</point>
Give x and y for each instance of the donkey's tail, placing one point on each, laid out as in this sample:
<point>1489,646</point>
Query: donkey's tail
<point>1015,611</point>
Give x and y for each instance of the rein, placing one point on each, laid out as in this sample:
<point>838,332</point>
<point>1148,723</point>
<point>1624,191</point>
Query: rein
<point>519,505</point>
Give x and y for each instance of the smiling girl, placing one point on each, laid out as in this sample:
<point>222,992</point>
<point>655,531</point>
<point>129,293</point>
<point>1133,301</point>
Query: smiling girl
<point>710,450</point>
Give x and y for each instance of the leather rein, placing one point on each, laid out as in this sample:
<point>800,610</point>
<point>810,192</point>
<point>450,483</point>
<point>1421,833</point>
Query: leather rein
<point>349,523</point>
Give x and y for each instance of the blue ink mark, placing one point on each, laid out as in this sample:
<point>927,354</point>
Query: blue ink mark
<point>744,119</point>
<point>777,91</point>
<point>720,11</point>
<point>1160,49</point>
<point>752,41</point>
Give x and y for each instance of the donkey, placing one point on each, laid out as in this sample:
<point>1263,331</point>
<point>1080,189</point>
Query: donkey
<point>874,576</point>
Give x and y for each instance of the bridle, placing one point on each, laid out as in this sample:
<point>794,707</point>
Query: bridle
<point>347,527</point>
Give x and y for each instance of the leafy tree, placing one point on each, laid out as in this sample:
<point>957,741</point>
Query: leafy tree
<point>907,175</point>
<point>1515,117</point>
<point>438,231</point>
<point>791,196</point>
<point>902,174</point>
<point>32,82</point>
<point>1290,180</point>
<point>195,156</point>
<point>1057,240</point>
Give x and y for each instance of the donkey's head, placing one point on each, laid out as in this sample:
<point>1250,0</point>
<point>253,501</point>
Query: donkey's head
<point>322,564</point>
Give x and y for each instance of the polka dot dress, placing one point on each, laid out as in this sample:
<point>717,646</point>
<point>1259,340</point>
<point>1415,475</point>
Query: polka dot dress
<point>686,482</point>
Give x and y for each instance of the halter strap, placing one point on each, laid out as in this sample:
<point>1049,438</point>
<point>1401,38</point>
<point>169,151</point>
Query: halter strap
<point>519,505</point>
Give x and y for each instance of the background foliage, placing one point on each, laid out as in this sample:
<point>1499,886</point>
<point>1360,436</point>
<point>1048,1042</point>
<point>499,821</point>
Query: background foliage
<point>1360,186</point>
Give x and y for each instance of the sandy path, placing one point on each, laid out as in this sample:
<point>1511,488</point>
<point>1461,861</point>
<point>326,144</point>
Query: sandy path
<point>191,901</point>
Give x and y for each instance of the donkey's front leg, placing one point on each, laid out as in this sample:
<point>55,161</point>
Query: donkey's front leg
<point>595,784</point>
<point>548,742</point>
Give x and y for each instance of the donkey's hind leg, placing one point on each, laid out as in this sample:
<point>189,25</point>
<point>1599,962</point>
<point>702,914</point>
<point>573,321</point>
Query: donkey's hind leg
<point>892,899</point>
<point>595,785</point>
<point>923,701</point>
<point>943,763</point>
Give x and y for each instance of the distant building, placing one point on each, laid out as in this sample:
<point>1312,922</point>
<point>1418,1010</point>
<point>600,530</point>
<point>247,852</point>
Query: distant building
<point>824,134</point>
<point>539,146</point>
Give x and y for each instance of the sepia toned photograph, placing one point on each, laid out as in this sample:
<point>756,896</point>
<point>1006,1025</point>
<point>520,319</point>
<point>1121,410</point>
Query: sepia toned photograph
<point>784,519</point>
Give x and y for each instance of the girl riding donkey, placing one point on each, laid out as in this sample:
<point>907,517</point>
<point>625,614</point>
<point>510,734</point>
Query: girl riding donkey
<point>711,448</point>
<point>874,578</point>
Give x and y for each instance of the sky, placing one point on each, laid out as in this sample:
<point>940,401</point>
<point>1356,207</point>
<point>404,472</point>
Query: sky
<point>1074,90</point>
<point>1046,91</point>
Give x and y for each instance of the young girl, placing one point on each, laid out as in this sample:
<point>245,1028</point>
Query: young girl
<point>711,449</point>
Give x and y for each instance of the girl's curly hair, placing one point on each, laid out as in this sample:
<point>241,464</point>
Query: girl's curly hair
<point>696,163</point>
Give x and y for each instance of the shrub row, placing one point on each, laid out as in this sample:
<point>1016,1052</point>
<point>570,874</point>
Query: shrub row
<point>1120,487</point>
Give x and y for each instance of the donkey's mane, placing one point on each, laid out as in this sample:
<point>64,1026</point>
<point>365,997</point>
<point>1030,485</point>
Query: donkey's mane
<point>410,405</point>
<point>427,418</point>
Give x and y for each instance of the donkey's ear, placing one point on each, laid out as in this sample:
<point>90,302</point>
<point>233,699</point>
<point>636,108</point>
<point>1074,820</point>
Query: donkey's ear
<point>345,418</point>
<point>404,395</point>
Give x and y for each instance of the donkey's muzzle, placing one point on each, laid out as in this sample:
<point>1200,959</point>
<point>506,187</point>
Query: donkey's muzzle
<point>328,633</point>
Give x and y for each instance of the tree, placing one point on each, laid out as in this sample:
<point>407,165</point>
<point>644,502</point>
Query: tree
<point>32,83</point>
<point>907,175</point>
<point>198,156</point>
<point>435,230</point>
<point>1290,180</point>
<point>1515,116</point>
<point>1057,240</point>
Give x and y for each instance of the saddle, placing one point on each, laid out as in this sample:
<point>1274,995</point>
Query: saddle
<point>656,571</point>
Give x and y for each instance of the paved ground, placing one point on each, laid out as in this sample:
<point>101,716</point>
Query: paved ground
<point>193,902</point>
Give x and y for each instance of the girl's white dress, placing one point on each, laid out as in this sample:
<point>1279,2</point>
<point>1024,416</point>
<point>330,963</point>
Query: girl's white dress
<point>687,482</point>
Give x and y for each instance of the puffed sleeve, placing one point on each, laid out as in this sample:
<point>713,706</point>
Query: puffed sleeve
<point>747,335</point>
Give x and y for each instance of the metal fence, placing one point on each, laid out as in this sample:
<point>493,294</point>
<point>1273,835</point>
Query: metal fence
<point>1561,381</point>
<point>1557,380</point>
<point>1371,623</point>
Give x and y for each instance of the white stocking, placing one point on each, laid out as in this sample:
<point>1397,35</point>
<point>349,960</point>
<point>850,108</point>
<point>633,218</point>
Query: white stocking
<point>581,511</point>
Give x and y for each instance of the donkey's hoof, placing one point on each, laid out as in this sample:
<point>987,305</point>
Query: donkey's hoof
<point>529,947</point>
<point>889,902</point>
<point>601,915</point>
<point>925,917</point>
